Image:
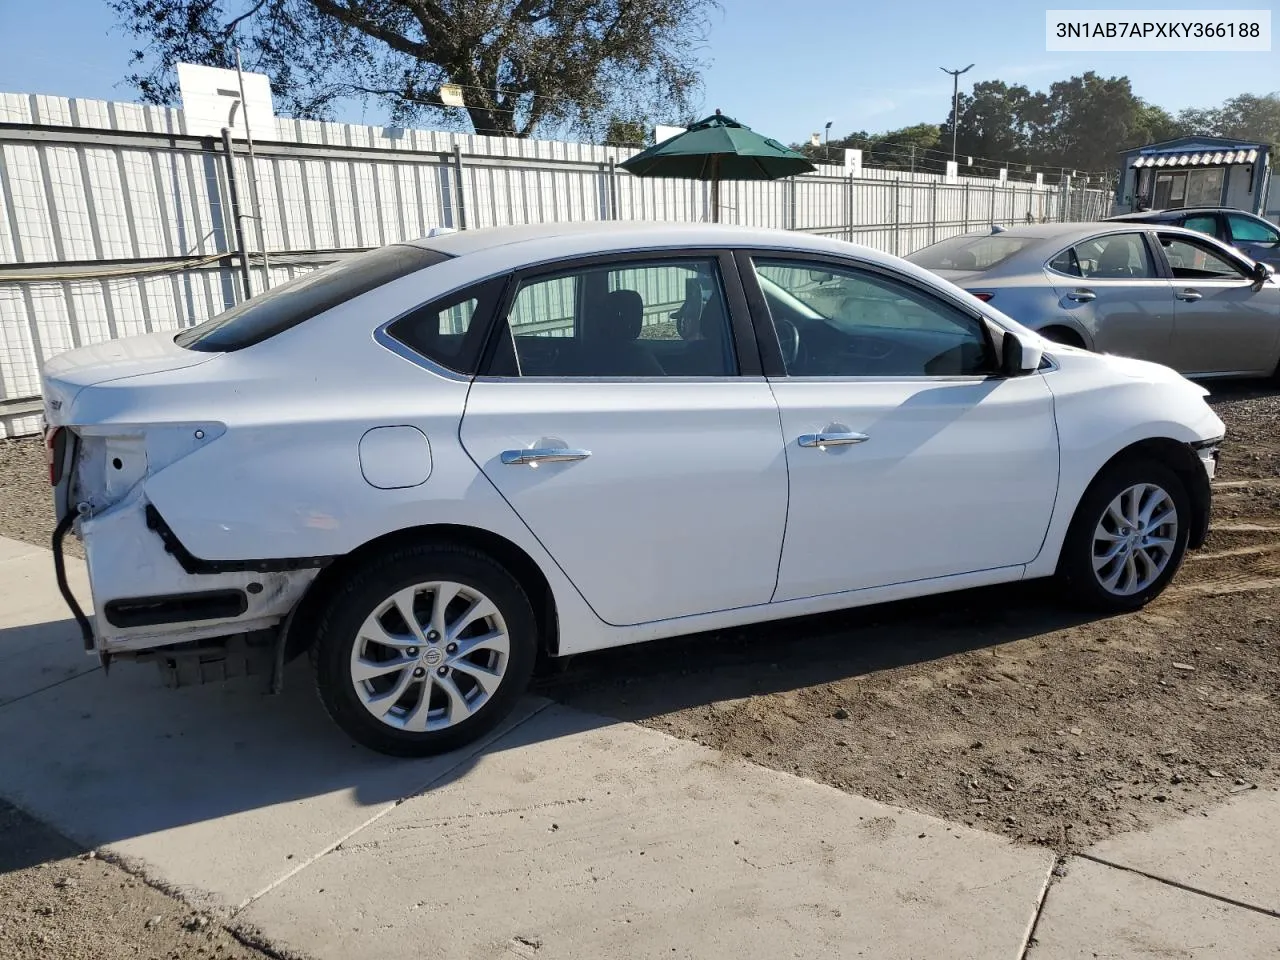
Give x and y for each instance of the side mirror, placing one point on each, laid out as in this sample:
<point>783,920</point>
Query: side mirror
<point>1262,272</point>
<point>1018,359</point>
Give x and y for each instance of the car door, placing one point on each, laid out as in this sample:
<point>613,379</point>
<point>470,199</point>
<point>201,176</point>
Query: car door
<point>1255,238</point>
<point>1224,321</point>
<point>908,458</point>
<point>625,419</point>
<point>1110,285</point>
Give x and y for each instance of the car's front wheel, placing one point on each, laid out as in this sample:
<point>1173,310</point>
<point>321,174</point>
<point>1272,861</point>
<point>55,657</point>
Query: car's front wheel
<point>424,649</point>
<point>1128,536</point>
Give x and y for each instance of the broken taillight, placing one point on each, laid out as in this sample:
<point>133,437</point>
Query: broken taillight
<point>55,449</point>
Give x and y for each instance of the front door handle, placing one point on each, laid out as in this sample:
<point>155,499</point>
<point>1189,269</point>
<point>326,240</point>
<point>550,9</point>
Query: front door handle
<point>535,455</point>
<point>1082,296</point>
<point>832,439</point>
<point>1189,295</point>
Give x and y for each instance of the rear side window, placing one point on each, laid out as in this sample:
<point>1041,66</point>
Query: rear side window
<point>304,297</point>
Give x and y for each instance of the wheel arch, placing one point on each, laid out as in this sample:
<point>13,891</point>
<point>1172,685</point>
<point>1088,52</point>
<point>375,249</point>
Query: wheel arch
<point>301,623</point>
<point>1184,462</point>
<point>1075,335</point>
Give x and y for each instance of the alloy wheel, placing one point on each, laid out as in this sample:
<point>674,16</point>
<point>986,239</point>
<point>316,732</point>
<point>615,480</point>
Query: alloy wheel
<point>430,656</point>
<point>1134,540</point>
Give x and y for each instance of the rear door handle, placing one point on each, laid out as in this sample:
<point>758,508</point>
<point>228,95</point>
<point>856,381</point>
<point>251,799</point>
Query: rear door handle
<point>535,455</point>
<point>832,439</point>
<point>1189,295</point>
<point>1082,296</point>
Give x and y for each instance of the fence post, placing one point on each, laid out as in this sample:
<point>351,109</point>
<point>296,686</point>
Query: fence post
<point>235,213</point>
<point>966,206</point>
<point>897,211</point>
<point>460,189</point>
<point>849,204</point>
<point>794,217</point>
<point>994,219</point>
<point>933,211</point>
<point>613,189</point>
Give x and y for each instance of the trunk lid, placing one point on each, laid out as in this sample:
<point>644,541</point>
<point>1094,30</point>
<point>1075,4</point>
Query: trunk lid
<point>65,375</point>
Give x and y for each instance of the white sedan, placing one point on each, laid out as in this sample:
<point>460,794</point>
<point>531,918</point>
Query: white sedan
<point>429,464</point>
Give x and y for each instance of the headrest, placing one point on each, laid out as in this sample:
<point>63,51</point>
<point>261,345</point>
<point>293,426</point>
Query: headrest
<point>621,317</point>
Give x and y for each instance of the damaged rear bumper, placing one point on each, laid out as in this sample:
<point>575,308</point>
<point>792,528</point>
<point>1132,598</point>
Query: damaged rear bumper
<point>149,591</point>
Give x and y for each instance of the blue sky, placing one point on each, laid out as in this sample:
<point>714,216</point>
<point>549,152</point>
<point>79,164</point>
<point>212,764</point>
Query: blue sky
<point>783,68</point>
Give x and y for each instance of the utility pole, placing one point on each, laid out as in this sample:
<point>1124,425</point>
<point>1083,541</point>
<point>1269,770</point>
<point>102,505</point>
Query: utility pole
<point>955,104</point>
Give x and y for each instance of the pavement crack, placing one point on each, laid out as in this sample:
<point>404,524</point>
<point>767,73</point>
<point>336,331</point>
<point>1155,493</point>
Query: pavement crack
<point>1057,869</point>
<point>1221,898</point>
<point>48,686</point>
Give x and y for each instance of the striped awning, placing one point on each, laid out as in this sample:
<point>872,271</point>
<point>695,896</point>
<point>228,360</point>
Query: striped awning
<point>1200,158</point>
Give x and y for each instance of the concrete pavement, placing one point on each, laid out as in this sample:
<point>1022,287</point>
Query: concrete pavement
<point>564,834</point>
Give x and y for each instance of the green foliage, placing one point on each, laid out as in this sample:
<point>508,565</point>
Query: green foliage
<point>1246,117</point>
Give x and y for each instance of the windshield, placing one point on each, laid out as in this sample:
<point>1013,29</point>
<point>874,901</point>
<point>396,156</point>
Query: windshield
<point>262,317</point>
<point>971,253</point>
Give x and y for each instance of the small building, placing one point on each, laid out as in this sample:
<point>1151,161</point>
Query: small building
<point>1198,172</point>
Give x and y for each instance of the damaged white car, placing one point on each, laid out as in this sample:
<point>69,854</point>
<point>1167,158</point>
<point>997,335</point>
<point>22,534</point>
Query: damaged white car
<point>430,464</point>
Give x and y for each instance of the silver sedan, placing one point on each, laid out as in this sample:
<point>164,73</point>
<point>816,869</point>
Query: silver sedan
<point>1166,294</point>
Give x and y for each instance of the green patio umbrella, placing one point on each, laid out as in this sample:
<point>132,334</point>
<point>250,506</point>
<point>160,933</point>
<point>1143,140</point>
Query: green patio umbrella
<point>718,148</point>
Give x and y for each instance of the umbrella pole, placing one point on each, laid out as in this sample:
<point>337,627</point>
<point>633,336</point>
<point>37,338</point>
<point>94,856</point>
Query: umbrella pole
<point>715,189</point>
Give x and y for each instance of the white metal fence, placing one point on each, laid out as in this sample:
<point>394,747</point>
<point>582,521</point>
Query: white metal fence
<point>113,221</point>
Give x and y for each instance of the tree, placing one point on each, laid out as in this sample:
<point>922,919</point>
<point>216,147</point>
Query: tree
<point>1246,117</point>
<point>627,133</point>
<point>523,65</point>
<point>993,123</point>
<point>900,149</point>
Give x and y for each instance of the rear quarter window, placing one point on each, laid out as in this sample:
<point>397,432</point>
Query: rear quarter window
<point>304,297</point>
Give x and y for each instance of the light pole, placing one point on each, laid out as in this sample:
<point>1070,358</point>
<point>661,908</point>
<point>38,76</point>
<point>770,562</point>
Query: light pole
<point>826,149</point>
<point>955,104</point>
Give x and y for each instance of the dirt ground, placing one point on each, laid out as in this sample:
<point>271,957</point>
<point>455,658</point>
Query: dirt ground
<point>998,707</point>
<point>61,904</point>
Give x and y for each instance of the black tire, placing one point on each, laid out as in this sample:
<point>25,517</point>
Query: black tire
<point>1075,566</point>
<point>366,588</point>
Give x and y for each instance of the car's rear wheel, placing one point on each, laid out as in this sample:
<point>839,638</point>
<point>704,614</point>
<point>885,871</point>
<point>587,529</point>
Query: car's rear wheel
<point>424,649</point>
<point>1128,536</point>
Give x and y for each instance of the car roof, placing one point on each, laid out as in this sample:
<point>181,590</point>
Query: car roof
<point>1177,212</point>
<point>617,236</point>
<point>1064,232</point>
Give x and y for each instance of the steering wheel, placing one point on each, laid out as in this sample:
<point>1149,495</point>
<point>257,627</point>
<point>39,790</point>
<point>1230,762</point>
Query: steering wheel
<point>788,340</point>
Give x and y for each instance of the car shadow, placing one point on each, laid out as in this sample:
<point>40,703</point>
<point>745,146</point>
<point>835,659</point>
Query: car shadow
<point>104,759</point>
<point>662,676</point>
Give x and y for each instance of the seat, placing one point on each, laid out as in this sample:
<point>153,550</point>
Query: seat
<point>1114,260</point>
<point>610,333</point>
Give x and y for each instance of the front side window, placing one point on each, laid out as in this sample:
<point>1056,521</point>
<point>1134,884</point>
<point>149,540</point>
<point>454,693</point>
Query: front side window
<point>634,319</point>
<point>1202,224</point>
<point>1121,256</point>
<point>1252,231</point>
<point>841,322</point>
<point>1193,261</point>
